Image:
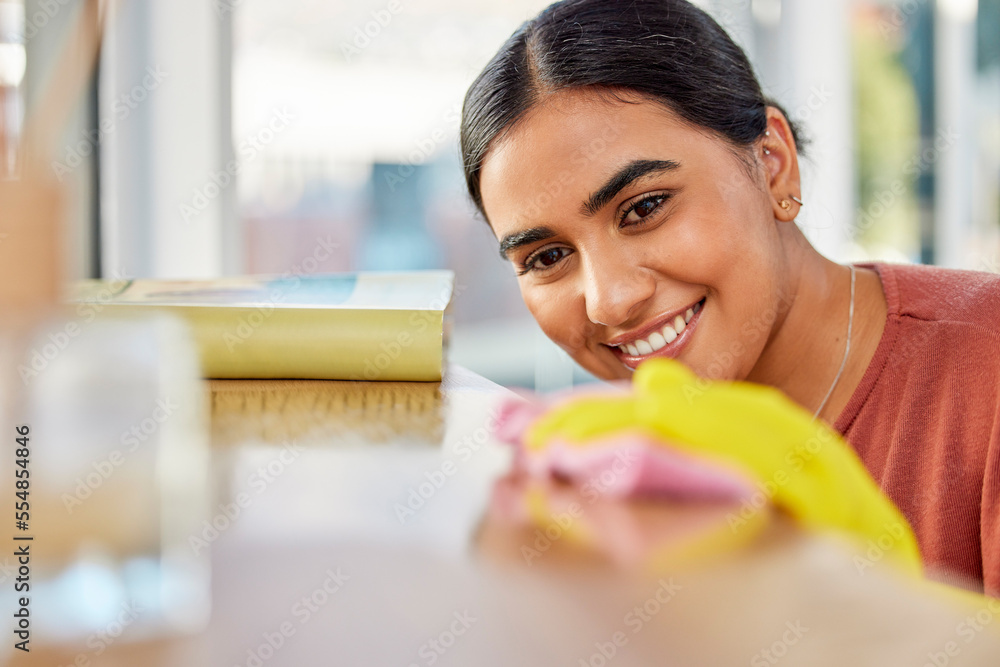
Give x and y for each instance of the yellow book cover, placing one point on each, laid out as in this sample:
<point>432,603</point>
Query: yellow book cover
<point>352,326</point>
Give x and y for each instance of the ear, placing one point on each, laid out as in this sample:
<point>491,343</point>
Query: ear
<point>777,152</point>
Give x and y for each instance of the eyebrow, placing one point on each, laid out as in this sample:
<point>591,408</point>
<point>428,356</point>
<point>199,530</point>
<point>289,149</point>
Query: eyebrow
<point>518,239</point>
<point>621,179</point>
<point>624,177</point>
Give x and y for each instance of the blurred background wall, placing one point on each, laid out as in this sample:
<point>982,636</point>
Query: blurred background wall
<point>227,136</point>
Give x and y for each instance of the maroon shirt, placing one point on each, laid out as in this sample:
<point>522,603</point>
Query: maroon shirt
<point>925,418</point>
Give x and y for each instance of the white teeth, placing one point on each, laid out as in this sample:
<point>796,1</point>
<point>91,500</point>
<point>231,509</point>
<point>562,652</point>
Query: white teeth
<point>659,340</point>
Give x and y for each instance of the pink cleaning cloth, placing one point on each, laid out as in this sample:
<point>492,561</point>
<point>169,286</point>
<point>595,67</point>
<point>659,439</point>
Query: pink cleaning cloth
<point>622,465</point>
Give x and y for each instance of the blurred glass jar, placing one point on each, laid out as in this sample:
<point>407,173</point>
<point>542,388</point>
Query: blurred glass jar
<point>117,425</point>
<point>12,68</point>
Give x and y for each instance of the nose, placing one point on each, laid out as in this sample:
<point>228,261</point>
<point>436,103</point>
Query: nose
<point>614,291</point>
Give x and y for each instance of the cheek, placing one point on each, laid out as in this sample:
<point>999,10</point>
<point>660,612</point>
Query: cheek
<point>561,318</point>
<point>740,319</point>
<point>729,256</point>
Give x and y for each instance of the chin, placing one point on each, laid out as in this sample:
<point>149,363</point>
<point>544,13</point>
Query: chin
<point>603,370</point>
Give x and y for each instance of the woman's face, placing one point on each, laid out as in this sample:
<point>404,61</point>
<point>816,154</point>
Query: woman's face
<point>635,235</point>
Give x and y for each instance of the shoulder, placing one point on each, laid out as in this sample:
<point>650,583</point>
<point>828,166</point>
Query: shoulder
<point>935,294</point>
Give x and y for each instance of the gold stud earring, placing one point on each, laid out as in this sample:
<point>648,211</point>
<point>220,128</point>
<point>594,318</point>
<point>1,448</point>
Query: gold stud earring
<point>785,204</point>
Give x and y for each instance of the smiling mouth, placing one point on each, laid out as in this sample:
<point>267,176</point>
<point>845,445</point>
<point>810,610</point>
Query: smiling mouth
<point>666,340</point>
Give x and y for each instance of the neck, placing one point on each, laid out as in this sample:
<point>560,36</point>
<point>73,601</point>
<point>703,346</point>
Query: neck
<point>807,343</point>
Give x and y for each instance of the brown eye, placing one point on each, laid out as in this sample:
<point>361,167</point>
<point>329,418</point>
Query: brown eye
<point>544,260</point>
<point>642,209</point>
<point>547,258</point>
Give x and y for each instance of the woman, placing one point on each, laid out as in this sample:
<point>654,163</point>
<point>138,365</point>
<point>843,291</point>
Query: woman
<point>646,193</point>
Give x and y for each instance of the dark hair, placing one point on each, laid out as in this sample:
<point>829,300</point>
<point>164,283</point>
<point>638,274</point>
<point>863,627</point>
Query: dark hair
<point>667,50</point>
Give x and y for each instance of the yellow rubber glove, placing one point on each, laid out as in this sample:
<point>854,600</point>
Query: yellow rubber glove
<point>802,464</point>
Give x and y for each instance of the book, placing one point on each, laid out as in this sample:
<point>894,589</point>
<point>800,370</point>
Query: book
<point>371,326</point>
<point>328,412</point>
